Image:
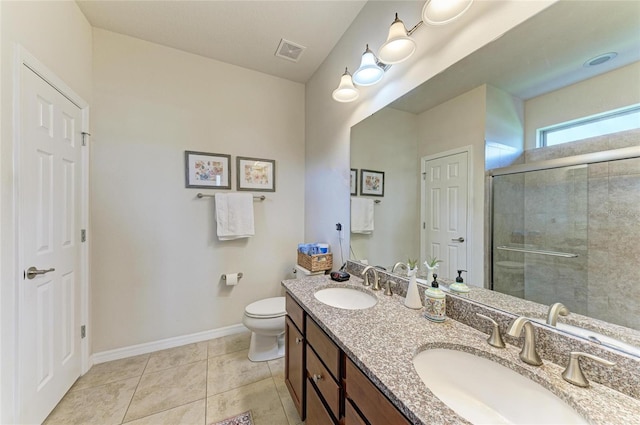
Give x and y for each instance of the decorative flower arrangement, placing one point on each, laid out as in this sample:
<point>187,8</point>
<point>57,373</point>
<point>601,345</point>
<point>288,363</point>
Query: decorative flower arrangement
<point>412,264</point>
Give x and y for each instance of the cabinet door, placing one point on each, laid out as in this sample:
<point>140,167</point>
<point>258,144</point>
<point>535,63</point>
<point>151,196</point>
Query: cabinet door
<point>374,405</point>
<point>317,414</point>
<point>351,416</point>
<point>294,370</point>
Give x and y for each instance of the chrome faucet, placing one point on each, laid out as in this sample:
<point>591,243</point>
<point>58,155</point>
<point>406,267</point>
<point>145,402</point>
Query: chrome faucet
<point>376,278</point>
<point>555,310</point>
<point>528,354</point>
<point>573,373</point>
<point>398,265</point>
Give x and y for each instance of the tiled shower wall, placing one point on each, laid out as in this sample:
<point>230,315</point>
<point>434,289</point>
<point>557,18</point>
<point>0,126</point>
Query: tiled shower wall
<point>593,211</point>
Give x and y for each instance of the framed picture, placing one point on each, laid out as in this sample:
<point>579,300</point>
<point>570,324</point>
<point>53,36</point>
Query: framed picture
<point>371,183</point>
<point>207,170</point>
<point>256,174</point>
<point>354,182</point>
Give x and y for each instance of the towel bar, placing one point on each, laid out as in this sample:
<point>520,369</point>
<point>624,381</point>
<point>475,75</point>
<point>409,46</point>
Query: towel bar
<point>203,195</point>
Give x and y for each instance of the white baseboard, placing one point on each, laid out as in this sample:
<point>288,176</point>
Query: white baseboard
<point>163,344</point>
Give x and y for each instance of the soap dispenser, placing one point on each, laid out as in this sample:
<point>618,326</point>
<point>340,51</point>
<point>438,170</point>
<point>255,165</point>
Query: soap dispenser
<point>459,286</point>
<point>435,302</point>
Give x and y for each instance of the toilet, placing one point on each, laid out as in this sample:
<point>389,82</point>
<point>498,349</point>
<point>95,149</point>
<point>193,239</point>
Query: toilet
<point>265,320</point>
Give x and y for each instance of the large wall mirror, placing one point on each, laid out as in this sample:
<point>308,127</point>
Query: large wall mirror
<point>490,106</point>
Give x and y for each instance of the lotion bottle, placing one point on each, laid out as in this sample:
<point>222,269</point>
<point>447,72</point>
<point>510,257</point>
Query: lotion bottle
<point>435,302</point>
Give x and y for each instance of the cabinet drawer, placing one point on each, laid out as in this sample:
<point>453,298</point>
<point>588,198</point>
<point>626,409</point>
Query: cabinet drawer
<point>327,351</point>
<point>328,388</point>
<point>295,312</point>
<point>317,414</point>
<point>372,403</point>
<point>351,415</point>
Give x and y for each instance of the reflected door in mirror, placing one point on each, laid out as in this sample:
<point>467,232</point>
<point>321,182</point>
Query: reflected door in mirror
<point>445,211</point>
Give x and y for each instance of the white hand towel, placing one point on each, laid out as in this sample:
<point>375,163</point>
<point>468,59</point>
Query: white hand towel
<point>234,215</point>
<point>362,215</point>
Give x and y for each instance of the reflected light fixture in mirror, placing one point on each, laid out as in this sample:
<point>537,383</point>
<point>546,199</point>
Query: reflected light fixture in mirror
<point>440,12</point>
<point>369,72</point>
<point>346,91</point>
<point>399,45</point>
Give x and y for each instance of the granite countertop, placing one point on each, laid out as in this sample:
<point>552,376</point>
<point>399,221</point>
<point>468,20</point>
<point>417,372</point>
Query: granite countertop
<point>382,341</point>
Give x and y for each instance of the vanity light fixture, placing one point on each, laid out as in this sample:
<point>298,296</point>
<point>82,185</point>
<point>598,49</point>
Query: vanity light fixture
<point>346,91</point>
<point>441,12</point>
<point>399,45</point>
<point>370,70</point>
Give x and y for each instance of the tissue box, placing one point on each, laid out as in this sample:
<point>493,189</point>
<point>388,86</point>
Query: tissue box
<point>315,263</point>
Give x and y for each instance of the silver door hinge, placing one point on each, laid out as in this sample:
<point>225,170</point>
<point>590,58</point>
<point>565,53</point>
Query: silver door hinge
<point>84,138</point>
<point>83,331</point>
<point>424,225</point>
<point>83,235</point>
<point>424,176</point>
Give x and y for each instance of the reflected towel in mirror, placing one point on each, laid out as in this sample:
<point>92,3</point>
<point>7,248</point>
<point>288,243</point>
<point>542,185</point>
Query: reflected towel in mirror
<point>234,215</point>
<point>362,215</point>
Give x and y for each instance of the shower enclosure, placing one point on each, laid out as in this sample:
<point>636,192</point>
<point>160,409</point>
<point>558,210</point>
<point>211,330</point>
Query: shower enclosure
<point>568,230</point>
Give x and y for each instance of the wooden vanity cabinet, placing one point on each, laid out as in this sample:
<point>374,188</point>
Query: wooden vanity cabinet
<point>294,359</point>
<point>373,405</point>
<point>325,385</point>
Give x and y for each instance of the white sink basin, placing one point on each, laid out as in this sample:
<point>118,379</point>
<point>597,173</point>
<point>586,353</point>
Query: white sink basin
<point>485,392</point>
<point>346,298</point>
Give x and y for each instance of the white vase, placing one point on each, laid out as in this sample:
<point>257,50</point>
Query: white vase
<point>430,272</point>
<point>412,299</point>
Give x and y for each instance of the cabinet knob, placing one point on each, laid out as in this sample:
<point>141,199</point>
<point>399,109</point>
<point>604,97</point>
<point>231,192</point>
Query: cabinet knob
<point>298,340</point>
<point>316,378</point>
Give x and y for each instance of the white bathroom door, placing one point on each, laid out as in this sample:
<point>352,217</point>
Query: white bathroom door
<point>445,206</point>
<point>50,197</point>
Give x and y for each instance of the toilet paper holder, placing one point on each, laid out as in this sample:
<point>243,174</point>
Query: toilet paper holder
<point>224,276</point>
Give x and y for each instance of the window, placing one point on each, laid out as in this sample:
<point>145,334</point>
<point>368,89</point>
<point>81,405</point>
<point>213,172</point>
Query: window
<point>596,125</point>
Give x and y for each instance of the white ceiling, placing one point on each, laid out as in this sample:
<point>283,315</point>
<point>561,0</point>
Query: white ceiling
<point>543,54</point>
<point>239,32</point>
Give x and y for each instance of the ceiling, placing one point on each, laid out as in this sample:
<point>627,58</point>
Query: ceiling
<point>239,32</point>
<point>545,53</point>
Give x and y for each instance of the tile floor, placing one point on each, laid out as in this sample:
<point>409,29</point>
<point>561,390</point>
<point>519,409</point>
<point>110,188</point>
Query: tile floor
<point>198,383</point>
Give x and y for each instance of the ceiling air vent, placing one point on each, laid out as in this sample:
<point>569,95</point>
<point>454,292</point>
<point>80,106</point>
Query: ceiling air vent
<point>289,51</point>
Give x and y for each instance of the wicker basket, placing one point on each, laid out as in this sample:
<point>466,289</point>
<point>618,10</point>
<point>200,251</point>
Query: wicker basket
<point>316,263</point>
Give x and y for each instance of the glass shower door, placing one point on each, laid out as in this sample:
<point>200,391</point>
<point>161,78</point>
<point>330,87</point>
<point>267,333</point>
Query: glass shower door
<point>539,236</point>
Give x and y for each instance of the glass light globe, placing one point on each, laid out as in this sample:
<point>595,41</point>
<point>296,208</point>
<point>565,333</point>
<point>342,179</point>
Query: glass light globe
<point>399,46</point>
<point>369,72</point>
<point>440,12</point>
<point>346,91</point>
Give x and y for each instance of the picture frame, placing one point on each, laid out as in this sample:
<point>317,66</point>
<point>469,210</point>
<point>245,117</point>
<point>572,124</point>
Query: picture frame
<point>371,183</point>
<point>207,170</point>
<point>256,174</point>
<point>354,182</point>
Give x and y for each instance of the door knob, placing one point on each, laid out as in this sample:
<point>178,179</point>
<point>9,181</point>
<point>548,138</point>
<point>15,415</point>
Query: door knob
<point>33,272</point>
<point>460,239</point>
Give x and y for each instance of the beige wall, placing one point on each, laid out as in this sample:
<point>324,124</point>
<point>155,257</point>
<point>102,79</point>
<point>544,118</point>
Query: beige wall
<point>388,141</point>
<point>454,124</point>
<point>58,35</point>
<point>589,97</point>
<point>328,122</point>
<point>157,261</point>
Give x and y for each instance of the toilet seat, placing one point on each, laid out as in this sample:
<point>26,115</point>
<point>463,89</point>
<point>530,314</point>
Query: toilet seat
<point>267,308</point>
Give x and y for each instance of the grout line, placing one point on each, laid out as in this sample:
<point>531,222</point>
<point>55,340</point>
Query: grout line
<point>135,390</point>
<point>166,410</point>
